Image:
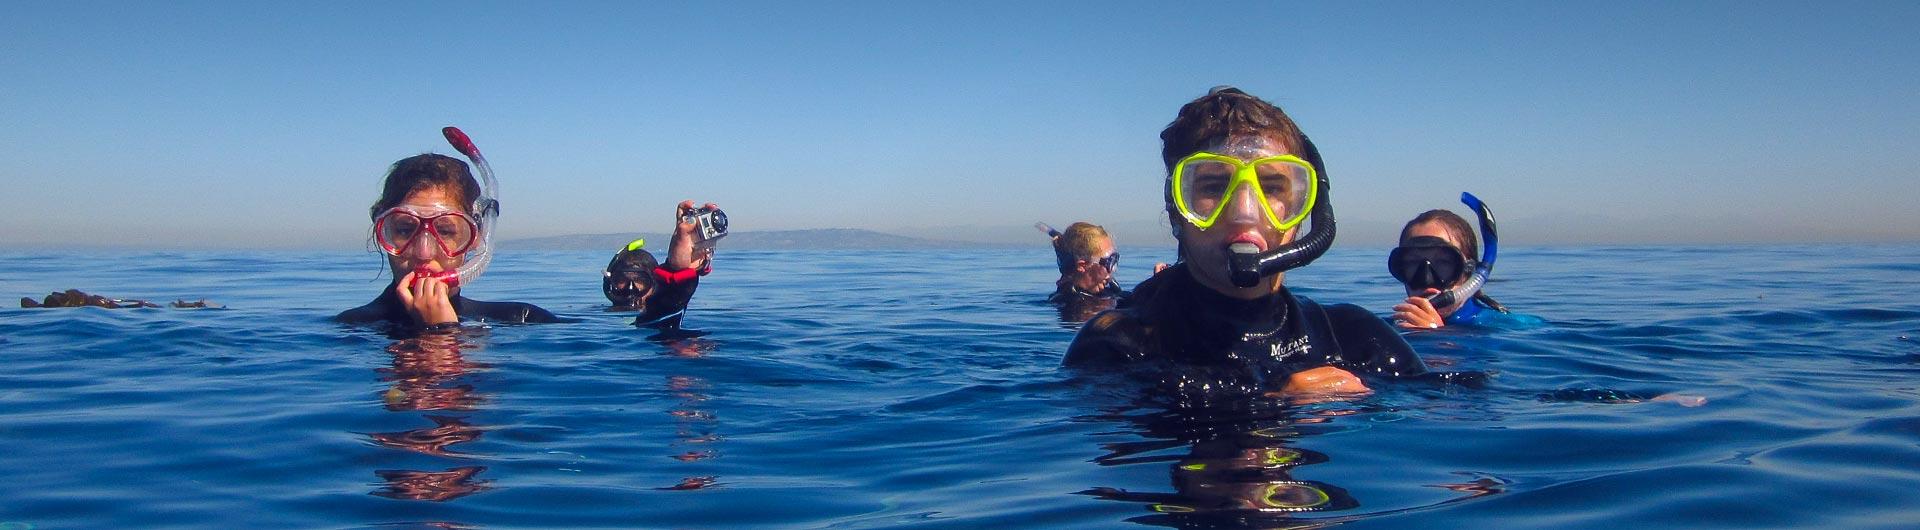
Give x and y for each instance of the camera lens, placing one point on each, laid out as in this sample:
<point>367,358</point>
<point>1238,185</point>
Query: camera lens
<point>719,221</point>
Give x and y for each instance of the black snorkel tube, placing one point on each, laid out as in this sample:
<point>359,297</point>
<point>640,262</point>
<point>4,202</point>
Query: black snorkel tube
<point>1246,268</point>
<point>1489,233</point>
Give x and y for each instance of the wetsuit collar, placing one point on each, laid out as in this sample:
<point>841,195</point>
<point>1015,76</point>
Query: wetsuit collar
<point>1467,313</point>
<point>1215,326</point>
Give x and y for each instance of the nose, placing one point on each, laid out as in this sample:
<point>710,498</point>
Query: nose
<point>421,248</point>
<point>1243,207</point>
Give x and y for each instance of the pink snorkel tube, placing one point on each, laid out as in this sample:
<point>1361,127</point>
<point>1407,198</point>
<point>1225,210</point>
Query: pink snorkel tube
<point>485,208</point>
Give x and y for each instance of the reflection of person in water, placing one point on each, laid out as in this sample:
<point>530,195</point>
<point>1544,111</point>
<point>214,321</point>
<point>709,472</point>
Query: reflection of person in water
<point>427,375</point>
<point>695,437</point>
<point>1238,468</point>
<point>1242,180</point>
<point>1238,477</point>
<point>435,223</point>
<point>1085,256</point>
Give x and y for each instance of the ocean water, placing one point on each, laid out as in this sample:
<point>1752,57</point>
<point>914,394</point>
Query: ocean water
<point>923,389</point>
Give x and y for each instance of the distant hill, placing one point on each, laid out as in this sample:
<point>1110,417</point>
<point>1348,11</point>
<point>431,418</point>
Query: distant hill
<point>829,238</point>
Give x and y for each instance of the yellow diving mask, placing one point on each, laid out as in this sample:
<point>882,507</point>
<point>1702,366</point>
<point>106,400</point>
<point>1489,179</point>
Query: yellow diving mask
<point>1284,186</point>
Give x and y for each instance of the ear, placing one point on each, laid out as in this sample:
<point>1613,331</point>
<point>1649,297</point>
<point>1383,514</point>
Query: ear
<point>1080,266</point>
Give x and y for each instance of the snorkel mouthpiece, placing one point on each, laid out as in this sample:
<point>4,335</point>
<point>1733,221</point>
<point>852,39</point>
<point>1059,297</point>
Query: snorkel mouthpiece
<point>1491,234</point>
<point>451,277</point>
<point>1247,265</point>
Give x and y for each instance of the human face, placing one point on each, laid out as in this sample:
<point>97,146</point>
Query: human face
<point>628,287</point>
<point>423,252</point>
<point>1437,229</point>
<point>1090,274</point>
<point>1244,221</point>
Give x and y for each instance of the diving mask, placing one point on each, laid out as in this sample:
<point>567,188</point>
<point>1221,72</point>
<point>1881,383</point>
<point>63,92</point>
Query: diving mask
<point>450,231</point>
<point>1109,262</point>
<point>1284,187</point>
<point>1427,262</point>
<point>629,276</point>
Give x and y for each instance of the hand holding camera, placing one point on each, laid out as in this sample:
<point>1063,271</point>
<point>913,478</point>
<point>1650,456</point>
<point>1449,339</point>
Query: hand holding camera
<point>696,230</point>
<point>709,224</point>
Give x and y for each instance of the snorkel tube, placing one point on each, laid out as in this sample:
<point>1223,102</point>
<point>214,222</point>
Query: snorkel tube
<point>1246,268</point>
<point>485,208</point>
<point>1060,257</point>
<point>1488,232</point>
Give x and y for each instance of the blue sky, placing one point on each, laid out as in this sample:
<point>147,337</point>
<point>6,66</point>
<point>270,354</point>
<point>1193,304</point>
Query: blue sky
<point>269,124</point>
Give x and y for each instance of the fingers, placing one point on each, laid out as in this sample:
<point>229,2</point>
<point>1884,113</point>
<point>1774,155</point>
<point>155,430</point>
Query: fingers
<point>1423,303</point>
<point>1416,313</point>
<point>404,288</point>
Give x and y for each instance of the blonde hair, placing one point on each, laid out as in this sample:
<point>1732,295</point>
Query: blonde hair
<point>1079,241</point>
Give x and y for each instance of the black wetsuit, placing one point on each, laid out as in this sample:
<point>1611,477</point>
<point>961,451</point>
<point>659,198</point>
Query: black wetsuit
<point>389,308</point>
<point>1077,305</point>
<point>664,307</point>
<point>1202,343</point>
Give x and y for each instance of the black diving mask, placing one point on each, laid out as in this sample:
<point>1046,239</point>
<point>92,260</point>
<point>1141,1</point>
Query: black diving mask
<point>1427,262</point>
<point>626,285</point>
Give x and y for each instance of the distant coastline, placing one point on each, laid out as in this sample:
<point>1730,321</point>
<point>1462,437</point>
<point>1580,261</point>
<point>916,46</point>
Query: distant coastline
<point>829,238</point>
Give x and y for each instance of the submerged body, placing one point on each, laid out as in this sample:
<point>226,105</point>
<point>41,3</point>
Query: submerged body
<point>388,307</point>
<point>1202,342</point>
<point>1076,305</point>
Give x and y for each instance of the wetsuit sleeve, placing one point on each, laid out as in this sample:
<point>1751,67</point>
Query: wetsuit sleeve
<point>514,312</point>
<point>672,292</point>
<point>1370,346</point>
<point>360,315</point>
<point>1108,339</point>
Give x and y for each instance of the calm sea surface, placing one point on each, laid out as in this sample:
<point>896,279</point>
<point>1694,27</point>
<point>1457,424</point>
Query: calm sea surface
<point>923,389</point>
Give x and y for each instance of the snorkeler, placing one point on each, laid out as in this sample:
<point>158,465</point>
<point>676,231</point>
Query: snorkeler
<point>1241,181</point>
<point>635,281</point>
<point>435,222</point>
<point>1440,263</point>
<point>1085,256</point>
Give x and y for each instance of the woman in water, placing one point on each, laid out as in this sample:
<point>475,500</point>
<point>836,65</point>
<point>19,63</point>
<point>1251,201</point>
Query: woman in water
<point>1241,181</point>
<point>635,281</point>
<point>1438,252</point>
<point>1440,263</point>
<point>433,220</point>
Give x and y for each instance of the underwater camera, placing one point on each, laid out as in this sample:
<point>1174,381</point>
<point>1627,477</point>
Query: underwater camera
<point>710,222</point>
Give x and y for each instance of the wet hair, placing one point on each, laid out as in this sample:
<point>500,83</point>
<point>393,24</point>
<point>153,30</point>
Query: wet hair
<point>1079,241</point>
<point>1225,111</point>
<point>1455,225</point>
<point>635,259</point>
<point>426,171</point>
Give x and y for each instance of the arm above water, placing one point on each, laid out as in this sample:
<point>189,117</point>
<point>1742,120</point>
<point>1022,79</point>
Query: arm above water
<point>512,312</point>
<point>679,277</point>
<point>1370,346</point>
<point>672,291</point>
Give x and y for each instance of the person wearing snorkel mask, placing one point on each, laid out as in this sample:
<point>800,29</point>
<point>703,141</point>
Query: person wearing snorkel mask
<point>1438,252</point>
<point>635,281</point>
<point>433,222</point>
<point>1242,185</point>
<point>1085,256</point>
